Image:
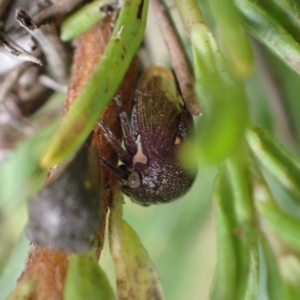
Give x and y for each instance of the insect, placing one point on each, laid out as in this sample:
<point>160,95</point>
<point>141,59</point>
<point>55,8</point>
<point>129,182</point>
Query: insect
<point>64,214</point>
<point>151,171</point>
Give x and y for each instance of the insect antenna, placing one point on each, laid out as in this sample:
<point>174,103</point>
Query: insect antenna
<point>122,174</point>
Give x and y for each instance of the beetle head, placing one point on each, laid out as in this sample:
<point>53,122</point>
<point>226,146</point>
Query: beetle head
<point>156,182</point>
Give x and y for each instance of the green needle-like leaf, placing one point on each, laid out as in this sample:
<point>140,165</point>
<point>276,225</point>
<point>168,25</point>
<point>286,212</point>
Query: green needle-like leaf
<point>82,19</point>
<point>251,291</point>
<point>224,286</point>
<point>135,273</point>
<point>246,242</point>
<point>284,224</point>
<point>283,266</point>
<point>20,174</point>
<point>86,280</point>
<point>13,268</point>
<point>225,110</point>
<point>270,32</point>
<point>284,166</point>
<point>275,285</point>
<point>287,12</point>
<point>233,36</point>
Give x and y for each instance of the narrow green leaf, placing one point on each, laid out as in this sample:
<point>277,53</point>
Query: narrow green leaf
<point>86,280</point>
<point>225,110</point>
<point>20,175</point>
<point>279,232</point>
<point>290,269</point>
<point>82,19</point>
<point>101,86</point>
<point>283,266</point>
<point>275,285</point>
<point>224,286</point>
<point>14,267</point>
<point>269,31</point>
<point>239,181</point>
<point>189,13</point>
<point>251,291</point>
<point>234,39</point>
<point>246,241</point>
<point>225,117</point>
<point>284,166</point>
<point>284,224</point>
<point>287,13</point>
<point>135,273</point>
<point>23,290</point>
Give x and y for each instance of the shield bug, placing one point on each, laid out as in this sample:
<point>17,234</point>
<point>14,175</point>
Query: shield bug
<point>160,123</point>
<point>64,214</point>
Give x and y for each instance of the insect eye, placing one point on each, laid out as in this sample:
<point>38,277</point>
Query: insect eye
<point>134,180</point>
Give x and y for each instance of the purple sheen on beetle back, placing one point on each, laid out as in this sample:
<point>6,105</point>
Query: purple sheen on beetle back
<point>151,172</point>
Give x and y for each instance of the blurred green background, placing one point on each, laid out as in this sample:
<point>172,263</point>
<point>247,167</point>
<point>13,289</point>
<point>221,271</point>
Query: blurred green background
<point>181,236</point>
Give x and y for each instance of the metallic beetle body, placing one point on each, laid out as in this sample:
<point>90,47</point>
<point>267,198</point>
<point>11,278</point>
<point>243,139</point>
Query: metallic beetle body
<point>152,172</point>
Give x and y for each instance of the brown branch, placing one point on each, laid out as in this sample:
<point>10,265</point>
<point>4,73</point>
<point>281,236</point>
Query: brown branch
<point>182,67</point>
<point>47,37</point>
<point>13,50</point>
<point>37,96</point>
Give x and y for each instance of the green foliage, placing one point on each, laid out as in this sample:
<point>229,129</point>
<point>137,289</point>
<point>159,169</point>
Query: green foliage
<point>14,266</point>
<point>135,273</point>
<point>86,280</point>
<point>255,232</point>
<point>271,31</point>
<point>221,92</point>
<point>18,183</point>
<point>227,265</point>
<point>280,162</point>
<point>82,19</point>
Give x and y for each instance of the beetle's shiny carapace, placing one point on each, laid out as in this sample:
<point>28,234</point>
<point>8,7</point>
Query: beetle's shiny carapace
<point>160,124</point>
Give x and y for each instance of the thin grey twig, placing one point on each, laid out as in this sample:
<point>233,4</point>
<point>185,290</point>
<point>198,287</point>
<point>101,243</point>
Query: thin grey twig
<point>10,80</point>
<point>50,44</point>
<point>52,84</point>
<point>13,50</point>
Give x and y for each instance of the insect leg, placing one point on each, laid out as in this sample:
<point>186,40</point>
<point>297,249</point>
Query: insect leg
<point>125,157</point>
<point>118,171</point>
<point>129,142</point>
